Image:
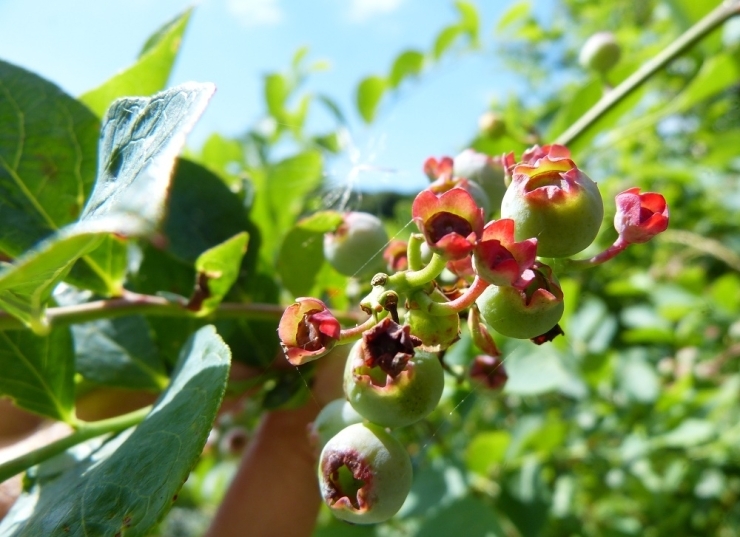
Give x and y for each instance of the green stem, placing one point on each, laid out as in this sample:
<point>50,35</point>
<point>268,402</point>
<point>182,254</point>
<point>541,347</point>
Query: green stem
<point>134,303</point>
<point>85,431</point>
<point>413,251</point>
<point>684,42</point>
<point>418,278</point>
<point>463,302</point>
<point>349,335</point>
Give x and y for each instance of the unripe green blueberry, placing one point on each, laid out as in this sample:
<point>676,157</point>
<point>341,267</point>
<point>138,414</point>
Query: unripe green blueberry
<point>436,332</point>
<point>356,247</point>
<point>393,400</point>
<point>556,203</point>
<point>484,170</point>
<point>364,474</point>
<point>600,52</point>
<point>526,313</point>
<point>492,124</point>
<point>334,417</point>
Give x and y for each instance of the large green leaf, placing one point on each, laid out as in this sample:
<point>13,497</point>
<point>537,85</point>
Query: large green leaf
<point>140,141</point>
<point>119,352</point>
<point>369,93</point>
<point>203,212</point>
<point>304,247</point>
<point>150,72</point>
<point>38,372</point>
<point>47,158</point>
<point>125,485</point>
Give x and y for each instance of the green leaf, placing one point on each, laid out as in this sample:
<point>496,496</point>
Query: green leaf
<point>38,372</point>
<point>204,212</point>
<point>224,157</point>
<point>27,284</point>
<point>128,483</point>
<point>140,140</point>
<point>408,64</point>
<point>691,432</point>
<point>281,194</point>
<point>637,378</point>
<point>487,449</point>
<point>332,107</point>
<point>47,158</point>
<point>119,352</point>
<point>717,74</point>
<point>149,74</point>
<point>218,269</point>
<point>470,513</point>
<point>525,498</point>
<point>578,102</point>
<point>276,94</point>
<point>469,20</point>
<point>534,371</point>
<point>369,93</point>
<point>445,39</point>
<point>303,247</point>
<point>103,270</point>
<point>517,12</point>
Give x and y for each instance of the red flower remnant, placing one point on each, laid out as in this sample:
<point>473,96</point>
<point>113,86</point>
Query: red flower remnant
<point>451,222</point>
<point>489,371</point>
<point>499,259</point>
<point>640,216</point>
<point>438,169</point>
<point>395,255</point>
<point>535,153</point>
<point>307,330</point>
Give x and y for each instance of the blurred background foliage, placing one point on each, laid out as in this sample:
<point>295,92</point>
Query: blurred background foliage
<point>627,425</point>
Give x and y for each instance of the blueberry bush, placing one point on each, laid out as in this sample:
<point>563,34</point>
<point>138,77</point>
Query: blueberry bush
<point>543,342</point>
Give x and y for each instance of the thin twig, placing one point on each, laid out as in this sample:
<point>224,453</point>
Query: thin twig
<point>683,43</point>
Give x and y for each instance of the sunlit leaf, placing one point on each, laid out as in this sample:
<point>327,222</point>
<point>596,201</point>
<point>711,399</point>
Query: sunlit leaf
<point>469,20</point>
<point>150,72</point>
<point>407,64</point>
<point>303,247</point>
<point>217,270</point>
<point>369,93</point>
<point>517,12</point>
<point>47,158</point>
<point>445,39</point>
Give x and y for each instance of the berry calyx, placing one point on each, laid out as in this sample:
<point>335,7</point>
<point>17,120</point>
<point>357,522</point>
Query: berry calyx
<point>389,383</point>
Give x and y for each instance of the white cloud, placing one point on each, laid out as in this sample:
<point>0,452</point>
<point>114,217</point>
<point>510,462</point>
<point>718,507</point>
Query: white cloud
<point>363,10</point>
<point>256,12</point>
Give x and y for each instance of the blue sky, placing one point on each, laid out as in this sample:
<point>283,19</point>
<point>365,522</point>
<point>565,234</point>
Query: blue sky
<point>80,43</point>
